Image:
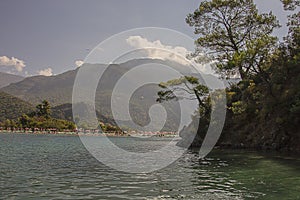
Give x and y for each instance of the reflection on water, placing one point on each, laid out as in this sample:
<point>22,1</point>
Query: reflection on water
<point>59,167</point>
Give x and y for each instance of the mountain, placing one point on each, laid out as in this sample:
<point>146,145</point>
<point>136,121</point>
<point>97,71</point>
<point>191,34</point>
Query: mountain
<point>58,91</point>
<point>12,107</point>
<point>64,111</point>
<point>6,79</point>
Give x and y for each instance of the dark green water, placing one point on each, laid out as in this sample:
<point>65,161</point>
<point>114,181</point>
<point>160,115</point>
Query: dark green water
<point>59,167</point>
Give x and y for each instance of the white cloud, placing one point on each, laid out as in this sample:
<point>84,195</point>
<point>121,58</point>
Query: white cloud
<point>157,50</point>
<point>78,63</point>
<point>27,74</point>
<point>12,62</point>
<point>46,72</point>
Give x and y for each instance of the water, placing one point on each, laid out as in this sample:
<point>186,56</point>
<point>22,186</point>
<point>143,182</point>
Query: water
<point>59,167</point>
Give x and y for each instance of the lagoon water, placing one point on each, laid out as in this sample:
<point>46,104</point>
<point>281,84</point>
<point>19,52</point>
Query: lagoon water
<point>59,167</point>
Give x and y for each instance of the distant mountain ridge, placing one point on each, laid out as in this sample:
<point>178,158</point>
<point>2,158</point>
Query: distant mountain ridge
<point>6,79</point>
<point>58,91</point>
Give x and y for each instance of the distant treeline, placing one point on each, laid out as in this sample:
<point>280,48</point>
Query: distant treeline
<point>42,119</point>
<point>38,119</point>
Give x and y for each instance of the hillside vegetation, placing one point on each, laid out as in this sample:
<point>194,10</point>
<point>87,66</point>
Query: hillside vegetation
<point>263,109</point>
<point>58,91</point>
<point>12,107</point>
<point>38,118</point>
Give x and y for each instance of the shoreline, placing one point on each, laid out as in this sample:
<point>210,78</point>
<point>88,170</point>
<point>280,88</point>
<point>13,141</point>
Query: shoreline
<point>292,152</point>
<point>59,133</point>
<point>83,134</point>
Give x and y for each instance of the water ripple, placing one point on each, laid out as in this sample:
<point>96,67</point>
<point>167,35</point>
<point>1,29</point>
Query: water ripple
<point>59,167</point>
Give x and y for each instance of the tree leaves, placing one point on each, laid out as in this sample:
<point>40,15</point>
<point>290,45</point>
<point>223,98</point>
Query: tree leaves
<point>226,27</point>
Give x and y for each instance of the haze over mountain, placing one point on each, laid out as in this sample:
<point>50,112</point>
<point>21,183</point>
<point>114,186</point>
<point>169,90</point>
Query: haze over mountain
<point>58,90</point>
<point>6,79</point>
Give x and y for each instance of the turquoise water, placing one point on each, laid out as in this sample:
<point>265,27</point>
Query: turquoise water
<point>59,167</point>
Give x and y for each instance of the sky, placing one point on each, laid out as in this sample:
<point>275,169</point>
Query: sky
<point>52,36</point>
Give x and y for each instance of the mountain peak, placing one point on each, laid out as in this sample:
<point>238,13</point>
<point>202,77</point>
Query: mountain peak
<point>6,79</point>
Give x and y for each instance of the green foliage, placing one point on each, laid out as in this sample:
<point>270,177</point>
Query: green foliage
<point>235,34</point>
<point>109,128</point>
<point>271,109</point>
<point>44,109</point>
<point>12,107</point>
<point>44,123</point>
<point>187,87</point>
<point>293,22</point>
<point>263,110</point>
<point>35,119</point>
<point>290,4</point>
<point>238,107</point>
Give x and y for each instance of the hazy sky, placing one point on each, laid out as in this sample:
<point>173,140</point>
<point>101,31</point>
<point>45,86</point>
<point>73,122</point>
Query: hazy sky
<point>38,35</point>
